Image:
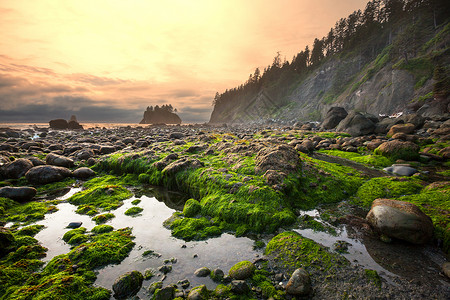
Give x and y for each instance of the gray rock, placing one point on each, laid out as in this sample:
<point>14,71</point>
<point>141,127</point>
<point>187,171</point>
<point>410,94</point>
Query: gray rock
<point>357,124</point>
<point>128,284</point>
<point>239,287</point>
<point>282,158</point>
<point>165,269</point>
<point>202,272</point>
<point>83,173</point>
<point>47,174</point>
<point>333,117</point>
<point>176,135</point>
<point>154,286</point>
<point>17,168</point>
<point>107,149</point>
<point>198,293</point>
<point>165,293</point>
<point>181,165</point>
<point>299,284</point>
<point>74,224</point>
<point>401,170</point>
<point>401,220</point>
<point>58,160</point>
<point>217,275</point>
<point>19,194</point>
<point>36,161</point>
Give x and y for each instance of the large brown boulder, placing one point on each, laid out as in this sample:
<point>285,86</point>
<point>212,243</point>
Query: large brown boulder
<point>58,124</point>
<point>401,128</point>
<point>357,124</point>
<point>19,194</point>
<point>282,158</point>
<point>333,117</point>
<point>47,174</point>
<point>16,168</point>
<point>397,149</point>
<point>58,160</point>
<point>401,220</point>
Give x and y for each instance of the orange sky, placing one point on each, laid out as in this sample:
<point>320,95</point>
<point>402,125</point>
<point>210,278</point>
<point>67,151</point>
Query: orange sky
<point>107,60</point>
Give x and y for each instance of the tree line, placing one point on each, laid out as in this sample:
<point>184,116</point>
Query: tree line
<point>347,34</point>
<point>164,107</point>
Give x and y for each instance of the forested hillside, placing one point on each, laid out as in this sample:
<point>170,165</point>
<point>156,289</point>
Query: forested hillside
<point>390,57</point>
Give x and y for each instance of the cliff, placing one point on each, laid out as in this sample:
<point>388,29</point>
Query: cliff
<point>160,115</point>
<point>400,66</point>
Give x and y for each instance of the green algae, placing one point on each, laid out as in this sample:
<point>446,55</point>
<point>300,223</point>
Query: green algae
<point>71,233</point>
<point>106,197</point>
<point>261,279</point>
<point>31,230</point>
<point>87,210</point>
<point>373,277</point>
<point>193,229</point>
<point>372,160</point>
<point>386,187</point>
<point>132,211</point>
<point>241,269</point>
<point>68,182</point>
<point>292,251</point>
<point>191,208</point>
<point>136,202</point>
<point>100,219</point>
<point>24,241</point>
<point>30,212</point>
<point>102,229</point>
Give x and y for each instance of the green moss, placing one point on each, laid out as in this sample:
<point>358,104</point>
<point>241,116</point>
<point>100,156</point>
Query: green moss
<point>55,185</point>
<point>194,229</point>
<point>369,160</point>
<point>191,208</point>
<point>292,251</point>
<point>87,210</point>
<point>404,154</point>
<point>102,229</point>
<point>71,233</point>
<point>309,222</point>
<point>100,219</point>
<point>25,241</point>
<point>241,267</point>
<point>386,187</point>
<point>136,202</point>
<point>151,253</point>
<point>222,291</point>
<point>132,211</point>
<point>30,212</point>
<point>107,197</point>
<point>261,279</point>
<point>373,276</point>
<point>31,230</point>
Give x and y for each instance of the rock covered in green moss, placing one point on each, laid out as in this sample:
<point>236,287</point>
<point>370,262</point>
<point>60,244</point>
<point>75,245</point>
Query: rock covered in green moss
<point>100,219</point>
<point>6,241</point>
<point>282,158</point>
<point>128,284</point>
<point>397,149</point>
<point>132,211</point>
<point>198,293</point>
<point>191,208</point>
<point>401,220</point>
<point>202,272</point>
<point>102,229</point>
<point>373,276</point>
<point>299,284</point>
<point>242,270</point>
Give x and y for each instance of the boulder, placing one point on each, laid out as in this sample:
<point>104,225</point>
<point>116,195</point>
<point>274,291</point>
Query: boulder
<point>58,160</point>
<point>74,125</point>
<point>306,146</point>
<point>17,168</point>
<point>357,124</point>
<point>397,149</point>
<point>47,174</point>
<point>401,128</point>
<point>401,220</point>
<point>239,287</point>
<point>242,270</point>
<point>165,293</point>
<point>58,124</point>
<point>299,284</point>
<point>107,149</point>
<point>202,272</point>
<point>36,161</point>
<point>84,154</point>
<point>282,158</point>
<point>401,170</point>
<point>198,293</point>
<point>128,284</point>
<point>83,173</point>
<point>20,194</point>
<point>333,117</point>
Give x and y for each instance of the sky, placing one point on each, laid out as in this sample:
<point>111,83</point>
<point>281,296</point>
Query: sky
<point>107,60</point>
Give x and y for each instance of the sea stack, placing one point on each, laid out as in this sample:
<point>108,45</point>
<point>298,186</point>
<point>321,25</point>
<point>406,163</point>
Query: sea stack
<point>161,115</point>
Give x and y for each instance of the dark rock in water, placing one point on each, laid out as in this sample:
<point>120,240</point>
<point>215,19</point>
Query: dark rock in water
<point>128,284</point>
<point>165,293</point>
<point>47,174</point>
<point>280,158</point>
<point>202,272</point>
<point>160,115</point>
<point>74,125</point>
<point>357,124</point>
<point>59,160</point>
<point>333,117</point>
<point>17,168</point>
<point>165,269</point>
<point>6,241</point>
<point>239,287</point>
<point>58,124</point>
<point>401,220</point>
<point>83,173</point>
<point>20,194</point>
<point>74,224</point>
<point>299,284</point>
<point>401,170</point>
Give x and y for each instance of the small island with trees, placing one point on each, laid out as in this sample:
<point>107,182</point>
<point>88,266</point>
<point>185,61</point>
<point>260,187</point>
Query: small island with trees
<point>164,114</point>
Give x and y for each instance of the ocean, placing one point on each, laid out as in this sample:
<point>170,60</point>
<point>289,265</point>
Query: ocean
<point>22,126</point>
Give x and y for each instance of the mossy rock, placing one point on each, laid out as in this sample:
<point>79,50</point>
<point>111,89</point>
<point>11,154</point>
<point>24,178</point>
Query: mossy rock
<point>128,284</point>
<point>107,197</point>
<point>373,277</point>
<point>102,229</point>
<point>397,149</point>
<point>132,211</point>
<point>71,233</point>
<point>31,230</point>
<point>192,229</point>
<point>292,251</point>
<point>198,293</point>
<point>6,241</point>
<point>25,241</point>
<point>100,219</point>
<point>191,208</point>
<point>242,270</point>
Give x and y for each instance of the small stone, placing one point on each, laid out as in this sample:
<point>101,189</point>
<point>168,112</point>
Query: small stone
<point>74,224</point>
<point>299,284</point>
<point>239,287</point>
<point>165,269</point>
<point>128,284</point>
<point>154,286</point>
<point>202,272</point>
<point>242,270</point>
<point>165,293</point>
<point>184,283</point>
<point>217,275</point>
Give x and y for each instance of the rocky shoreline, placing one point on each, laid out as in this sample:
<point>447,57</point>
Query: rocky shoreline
<point>250,181</point>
